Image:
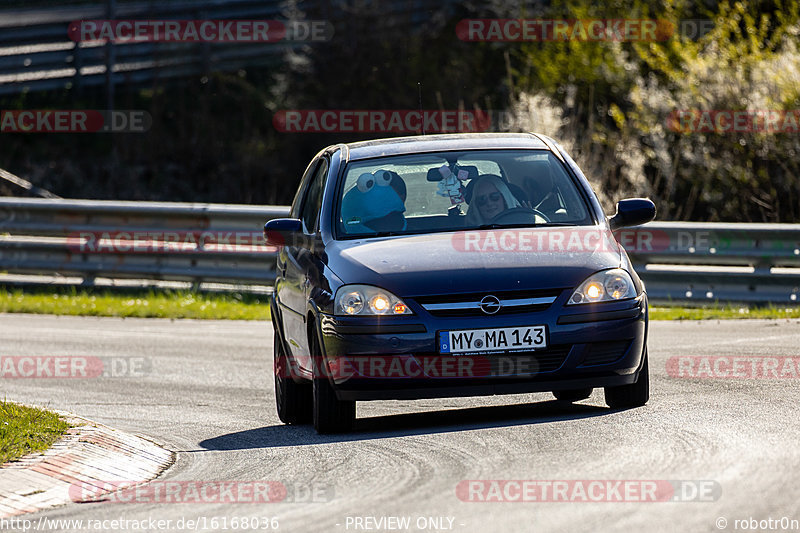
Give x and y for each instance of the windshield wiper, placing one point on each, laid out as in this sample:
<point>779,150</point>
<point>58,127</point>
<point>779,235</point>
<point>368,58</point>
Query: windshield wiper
<point>520,225</point>
<point>555,224</point>
<point>525,225</point>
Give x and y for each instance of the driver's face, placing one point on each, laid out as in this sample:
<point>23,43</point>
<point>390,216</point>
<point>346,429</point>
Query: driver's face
<point>489,200</point>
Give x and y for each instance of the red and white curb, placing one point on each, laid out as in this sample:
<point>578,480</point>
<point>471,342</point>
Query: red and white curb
<point>89,454</point>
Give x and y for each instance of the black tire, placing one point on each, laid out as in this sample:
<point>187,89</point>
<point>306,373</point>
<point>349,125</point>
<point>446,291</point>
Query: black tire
<point>572,395</point>
<point>331,415</point>
<point>292,399</point>
<point>633,395</point>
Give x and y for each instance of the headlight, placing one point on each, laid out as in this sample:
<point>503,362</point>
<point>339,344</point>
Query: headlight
<point>352,300</point>
<point>605,286</point>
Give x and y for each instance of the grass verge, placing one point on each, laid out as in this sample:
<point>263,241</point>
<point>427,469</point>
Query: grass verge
<point>136,303</point>
<point>718,311</point>
<point>244,306</point>
<point>26,429</point>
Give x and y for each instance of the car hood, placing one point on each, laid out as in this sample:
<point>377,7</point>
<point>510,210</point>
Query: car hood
<point>476,261</point>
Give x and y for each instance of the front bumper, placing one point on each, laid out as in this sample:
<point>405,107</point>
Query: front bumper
<point>380,358</point>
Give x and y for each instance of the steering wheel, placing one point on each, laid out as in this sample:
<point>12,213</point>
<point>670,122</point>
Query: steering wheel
<point>519,215</point>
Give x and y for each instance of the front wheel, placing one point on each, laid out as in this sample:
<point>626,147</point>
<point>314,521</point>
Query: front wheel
<point>292,399</point>
<point>331,415</point>
<point>633,395</point>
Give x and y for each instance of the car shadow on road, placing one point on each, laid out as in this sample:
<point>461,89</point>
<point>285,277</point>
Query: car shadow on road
<point>400,425</point>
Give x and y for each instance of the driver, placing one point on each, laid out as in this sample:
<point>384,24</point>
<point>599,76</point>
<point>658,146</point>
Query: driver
<point>490,197</point>
<point>543,193</point>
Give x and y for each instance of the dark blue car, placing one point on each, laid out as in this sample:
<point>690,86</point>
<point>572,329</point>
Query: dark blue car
<point>452,265</point>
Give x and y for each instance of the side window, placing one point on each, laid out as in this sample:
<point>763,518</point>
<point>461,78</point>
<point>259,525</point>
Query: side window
<point>294,212</point>
<point>313,201</point>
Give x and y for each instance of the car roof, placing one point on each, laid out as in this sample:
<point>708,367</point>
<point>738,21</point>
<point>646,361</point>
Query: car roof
<point>436,143</point>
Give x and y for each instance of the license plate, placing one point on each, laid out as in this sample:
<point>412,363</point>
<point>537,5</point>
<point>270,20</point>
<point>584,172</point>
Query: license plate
<point>493,340</point>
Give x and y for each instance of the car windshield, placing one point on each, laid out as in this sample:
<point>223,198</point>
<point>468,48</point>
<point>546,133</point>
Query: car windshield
<point>448,191</point>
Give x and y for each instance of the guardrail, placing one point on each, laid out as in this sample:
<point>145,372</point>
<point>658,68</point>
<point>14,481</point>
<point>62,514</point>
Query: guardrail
<point>37,54</point>
<point>717,261</point>
<point>681,261</point>
<point>137,240</point>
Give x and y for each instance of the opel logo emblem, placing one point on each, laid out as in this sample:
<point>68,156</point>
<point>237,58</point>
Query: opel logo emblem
<point>490,304</point>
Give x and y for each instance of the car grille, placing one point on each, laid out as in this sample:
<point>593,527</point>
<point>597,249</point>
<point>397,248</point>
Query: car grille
<point>463,305</point>
<point>537,362</point>
<point>603,353</point>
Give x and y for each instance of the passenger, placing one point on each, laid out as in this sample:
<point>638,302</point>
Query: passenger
<point>490,197</point>
<point>375,203</point>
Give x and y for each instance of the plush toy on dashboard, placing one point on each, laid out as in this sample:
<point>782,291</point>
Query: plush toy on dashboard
<point>451,184</point>
<point>376,203</point>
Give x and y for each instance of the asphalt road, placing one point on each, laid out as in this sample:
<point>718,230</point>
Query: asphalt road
<point>204,389</point>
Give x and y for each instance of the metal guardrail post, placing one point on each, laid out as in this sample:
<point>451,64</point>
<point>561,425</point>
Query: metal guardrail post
<point>111,61</point>
<point>77,62</point>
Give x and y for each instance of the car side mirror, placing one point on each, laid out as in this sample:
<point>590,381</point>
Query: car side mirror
<point>632,212</point>
<point>286,232</point>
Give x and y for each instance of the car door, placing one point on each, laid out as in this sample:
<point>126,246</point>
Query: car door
<point>286,288</point>
<point>298,266</point>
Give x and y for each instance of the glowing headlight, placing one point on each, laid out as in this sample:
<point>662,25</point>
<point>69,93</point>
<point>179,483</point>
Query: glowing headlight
<point>365,300</point>
<point>605,286</point>
<point>594,291</point>
<point>379,304</point>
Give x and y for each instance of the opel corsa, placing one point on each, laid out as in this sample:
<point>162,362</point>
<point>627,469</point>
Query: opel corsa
<point>452,265</point>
